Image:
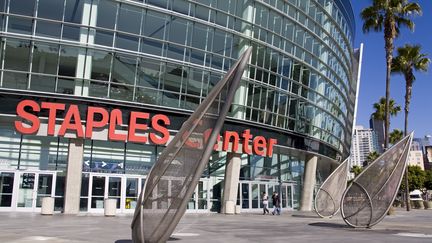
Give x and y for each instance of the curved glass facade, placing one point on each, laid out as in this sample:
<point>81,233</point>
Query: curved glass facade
<point>167,54</point>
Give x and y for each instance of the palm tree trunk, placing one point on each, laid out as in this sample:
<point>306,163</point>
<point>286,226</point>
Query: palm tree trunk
<point>408,92</point>
<point>389,33</point>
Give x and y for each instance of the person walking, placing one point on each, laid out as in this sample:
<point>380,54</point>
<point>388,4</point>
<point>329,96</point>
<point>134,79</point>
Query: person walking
<point>276,203</point>
<point>265,203</point>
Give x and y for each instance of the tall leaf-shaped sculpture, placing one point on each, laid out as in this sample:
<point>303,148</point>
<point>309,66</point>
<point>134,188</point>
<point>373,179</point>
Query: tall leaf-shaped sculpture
<point>174,176</point>
<point>366,201</point>
<point>329,195</point>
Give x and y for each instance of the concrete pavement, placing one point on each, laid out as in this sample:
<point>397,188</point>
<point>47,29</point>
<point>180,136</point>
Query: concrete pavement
<point>414,226</point>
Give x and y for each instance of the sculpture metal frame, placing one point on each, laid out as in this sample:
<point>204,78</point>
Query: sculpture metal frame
<point>158,212</point>
<point>375,199</point>
<point>331,191</point>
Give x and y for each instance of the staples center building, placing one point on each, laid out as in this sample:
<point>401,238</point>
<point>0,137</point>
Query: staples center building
<point>91,91</point>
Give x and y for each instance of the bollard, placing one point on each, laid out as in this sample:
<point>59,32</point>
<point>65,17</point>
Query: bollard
<point>110,207</point>
<point>47,206</point>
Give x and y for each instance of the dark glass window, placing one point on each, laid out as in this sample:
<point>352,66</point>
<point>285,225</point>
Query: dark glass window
<point>24,7</point>
<point>127,42</point>
<point>121,92</point>
<point>180,6</point>
<point>107,11</point>
<point>51,9</point>
<point>101,63</point>
<point>17,54</point>
<point>124,68</point>
<point>15,80</point>
<point>42,83</point>
<point>45,58</point>
<point>68,60</point>
<point>148,73</point>
<point>73,11</point>
<point>159,3</point>
<point>104,38</point>
<point>154,25</point>
<point>71,33</point>
<point>178,30</point>
<point>129,19</point>
<point>48,29</point>
<point>151,47</point>
<point>98,89</point>
<point>20,25</point>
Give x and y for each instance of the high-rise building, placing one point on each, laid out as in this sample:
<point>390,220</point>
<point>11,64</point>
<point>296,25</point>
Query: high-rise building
<point>416,155</point>
<point>378,127</point>
<point>92,90</point>
<point>364,142</point>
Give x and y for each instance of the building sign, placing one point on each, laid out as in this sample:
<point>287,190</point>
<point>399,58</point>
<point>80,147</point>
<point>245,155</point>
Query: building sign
<point>141,128</point>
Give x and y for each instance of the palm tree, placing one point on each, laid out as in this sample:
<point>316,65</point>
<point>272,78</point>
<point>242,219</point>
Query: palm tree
<point>390,16</point>
<point>395,136</point>
<point>409,59</point>
<point>371,157</point>
<point>379,107</point>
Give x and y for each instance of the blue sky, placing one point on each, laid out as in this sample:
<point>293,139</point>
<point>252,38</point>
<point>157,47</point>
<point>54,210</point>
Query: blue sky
<point>372,85</point>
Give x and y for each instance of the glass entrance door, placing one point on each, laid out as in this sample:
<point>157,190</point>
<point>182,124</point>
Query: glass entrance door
<point>251,193</point>
<point>31,187</point>
<point>125,189</point>
<point>6,188</point>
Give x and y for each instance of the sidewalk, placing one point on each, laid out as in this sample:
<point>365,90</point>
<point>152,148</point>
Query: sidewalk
<point>414,226</point>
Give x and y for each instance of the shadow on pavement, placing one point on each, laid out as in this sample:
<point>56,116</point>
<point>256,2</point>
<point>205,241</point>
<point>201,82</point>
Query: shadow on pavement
<point>331,225</point>
<point>306,216</point>
<point>130,241</point>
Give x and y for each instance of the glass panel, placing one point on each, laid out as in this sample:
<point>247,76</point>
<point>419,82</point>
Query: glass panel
<point>202,195</point>
<point>255,196</point>
<point>47,29</point>
<point>101,63</point>
<point>108,157</point>
<point>284,196</point>
<point>74,10</point>
<point>60,185</point>
<point>6,188</point>
<point>68,61</point>
<point>245,195</point>
<point>51,9</point>
<point>98,192</point>
<point>65,86</point>
<point>148,73</point>
<point>42,83</point>
<point>25,194</point>
<point>44,188</point>
<point>9,145</point>
<point>155,25</point>
<point>38,152</point>
<point>114,189</point>
<point>127,42</point>
<point>109,9</point>
<point>124,68</point>
<point>139,158</point>
<point>20,25</point>
<point>71,33</point>
<point>129,19</point>
<point>131,193</point>
<point>24,7</point>
<point>17,55</point>
<point>45,58</point>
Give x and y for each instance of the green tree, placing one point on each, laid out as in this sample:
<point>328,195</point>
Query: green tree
<point>371,157</point>
<point>356,170</point>
<point>379,107</point>
<point>395,136</point>
<point>408,60</point>
<point>389,16</point>
<point>428,180</point>
<point>416,178</point>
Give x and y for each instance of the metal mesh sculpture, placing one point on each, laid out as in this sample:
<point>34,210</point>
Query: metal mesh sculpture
<point>329,195</point>
<point>174,176</point>
<point>366,201</point>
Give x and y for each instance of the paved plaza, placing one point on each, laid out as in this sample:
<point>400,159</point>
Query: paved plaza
<point>414,226</point>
